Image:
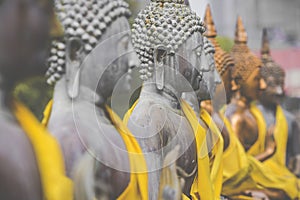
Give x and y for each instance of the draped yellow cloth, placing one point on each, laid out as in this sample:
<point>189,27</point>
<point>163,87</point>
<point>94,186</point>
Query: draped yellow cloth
<point>138,185</point>
<point>47,113</point>
<point>276,163</point>
<point>243,172</point>
<point>216,151</point>
<point>202,187</point>
<point>55,184</point>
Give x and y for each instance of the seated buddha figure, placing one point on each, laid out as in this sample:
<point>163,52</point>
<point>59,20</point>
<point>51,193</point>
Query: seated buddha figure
<point>167,36</point>
<point>245,120</point>
<point>100,154</point>
<point>28,170</point>
<point>243,176</point>
<point>279,122</point>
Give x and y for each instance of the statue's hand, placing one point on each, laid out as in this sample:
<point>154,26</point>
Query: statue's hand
<point>257,195</point>
<point>294,165</point>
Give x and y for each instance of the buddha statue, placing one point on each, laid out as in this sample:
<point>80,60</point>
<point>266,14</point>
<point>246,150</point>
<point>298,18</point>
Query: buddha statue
<point>27,169</point>
<point>270,100</point>
<point>101,155</point>
<point>248,79</point>
<point>280,122</point>
<point>248,126</point>
<point>167,37</point>
<point>237,184</point>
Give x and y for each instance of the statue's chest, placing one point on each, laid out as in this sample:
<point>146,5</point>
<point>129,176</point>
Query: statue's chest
<point>178,131</point>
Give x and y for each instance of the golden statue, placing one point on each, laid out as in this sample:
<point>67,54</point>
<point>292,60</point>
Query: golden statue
<point>244,132</point>
<point>284,123</point>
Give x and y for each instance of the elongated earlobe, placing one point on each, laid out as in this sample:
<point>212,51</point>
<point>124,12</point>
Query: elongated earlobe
<point>160,54</point>
<point>234,85</point>
<point>73,62</point>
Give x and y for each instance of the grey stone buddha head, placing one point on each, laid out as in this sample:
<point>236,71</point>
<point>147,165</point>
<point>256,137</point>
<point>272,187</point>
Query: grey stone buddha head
<point>96,49</point>
<point>167,37</point>
<point>211,77</point>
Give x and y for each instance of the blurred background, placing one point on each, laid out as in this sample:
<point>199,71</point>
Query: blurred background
<point>280,17</point>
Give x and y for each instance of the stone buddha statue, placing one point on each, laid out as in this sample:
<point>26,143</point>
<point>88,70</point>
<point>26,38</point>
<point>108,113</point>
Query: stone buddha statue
<point>167,36</point>
<point>85,64</point>
<point>278,120</point>
<point>27,171</point>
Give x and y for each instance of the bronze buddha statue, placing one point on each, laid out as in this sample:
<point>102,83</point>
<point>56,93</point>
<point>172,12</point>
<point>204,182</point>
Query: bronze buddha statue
<point>248,79</point>
<point>248,125</point>
<point>269,105</point>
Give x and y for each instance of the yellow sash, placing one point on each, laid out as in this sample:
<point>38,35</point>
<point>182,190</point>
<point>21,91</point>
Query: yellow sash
<point>55,184</point>
<point>217,152</point>
<point>47,113</point>
<point>277,162</point>
<point>259,146</point>
<point>202,185</point>
<point>236,168</point>
<point>138,186</point>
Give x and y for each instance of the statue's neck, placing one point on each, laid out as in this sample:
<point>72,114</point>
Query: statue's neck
<point>168,95</point>
<point>241,100</point>
<point>63,103</point>
<point>268,105</point>
<point>85,94</point>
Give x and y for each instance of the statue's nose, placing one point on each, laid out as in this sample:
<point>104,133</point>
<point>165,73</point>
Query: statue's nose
<point>133,60</point>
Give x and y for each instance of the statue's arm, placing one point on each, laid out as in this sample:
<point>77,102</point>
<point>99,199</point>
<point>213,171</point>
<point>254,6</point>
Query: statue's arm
<point>270,146</point>
<point>224,131</point>
<point>246,130</point>
<point>294,162</point>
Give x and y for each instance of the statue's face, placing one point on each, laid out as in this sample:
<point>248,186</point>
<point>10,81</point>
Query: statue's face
<point>24,36</point>
<point>211,77</point>
<point>189,55</point>
<point>253,85</point>
<point>119,57</point>
<point>226,86</point>
<point>274,90</point>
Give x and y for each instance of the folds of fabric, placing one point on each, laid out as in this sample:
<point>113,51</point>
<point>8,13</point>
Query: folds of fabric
<point>47,113</point>
<point>216,152</point>
<point>138,185</point>
<point>202,186</point>
<point>55,184</point>
<point>236,168</point>
<point>276,163</point>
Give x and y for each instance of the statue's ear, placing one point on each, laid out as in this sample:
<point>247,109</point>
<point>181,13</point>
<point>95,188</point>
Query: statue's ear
<point>160,59</point>
<point>234,85</point>
<point>74,58</point>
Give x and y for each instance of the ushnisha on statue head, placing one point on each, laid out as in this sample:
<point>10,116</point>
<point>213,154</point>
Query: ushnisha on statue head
<point>247,68</point>
<point>158,33</point>
<point>84,23</point>
<point>272,73</point>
